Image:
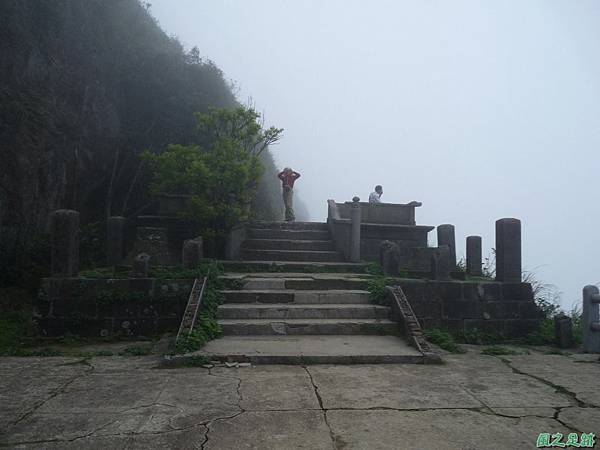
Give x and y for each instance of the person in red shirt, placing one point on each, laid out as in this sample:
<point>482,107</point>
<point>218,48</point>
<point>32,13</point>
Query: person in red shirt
<point>288,177</point>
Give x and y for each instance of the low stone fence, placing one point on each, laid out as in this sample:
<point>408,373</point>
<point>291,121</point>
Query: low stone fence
<point>107,307</point>
<point>591,319</point>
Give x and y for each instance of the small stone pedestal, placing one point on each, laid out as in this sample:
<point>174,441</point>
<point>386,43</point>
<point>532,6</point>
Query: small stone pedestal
<point>192,253</point>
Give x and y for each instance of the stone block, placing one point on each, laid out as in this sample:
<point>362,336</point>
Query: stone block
<point>461,309</point>
<point>414,290</point>
<point>64,239</point>
<point>141,266</point>
<point>115,240</point>
<point>441,263</point>
<point>508,250</point>
<point>529,310</point>
<point>452,324</point>
<point>192,253</point>
<point>516,291</point>
<point>490,326</point>
<point>512,310</point>
<point>427,308</point>
<point>521,327</point>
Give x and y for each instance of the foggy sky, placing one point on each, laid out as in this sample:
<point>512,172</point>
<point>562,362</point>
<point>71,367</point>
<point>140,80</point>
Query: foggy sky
<point>479,109</point>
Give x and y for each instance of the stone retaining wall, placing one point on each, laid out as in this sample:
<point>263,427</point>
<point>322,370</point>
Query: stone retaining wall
<point>108,307</point>
<point>503,308</point>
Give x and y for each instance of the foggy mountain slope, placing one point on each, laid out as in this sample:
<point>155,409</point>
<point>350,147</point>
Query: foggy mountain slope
<point>85,83</point>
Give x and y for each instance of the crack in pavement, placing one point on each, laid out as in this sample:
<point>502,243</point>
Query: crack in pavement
<point>54,394</point>
<point>208,423</point>
<point>320,400</point>
<point>571,396</point>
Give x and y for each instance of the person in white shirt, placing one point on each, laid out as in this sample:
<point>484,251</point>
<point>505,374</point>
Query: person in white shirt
<point>375,197</point>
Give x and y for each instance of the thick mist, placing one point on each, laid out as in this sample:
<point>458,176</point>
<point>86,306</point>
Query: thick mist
<point>480,110</point>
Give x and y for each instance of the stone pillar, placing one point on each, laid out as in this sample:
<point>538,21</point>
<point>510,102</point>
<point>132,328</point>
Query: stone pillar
<point>192,253</point>
<point>355,234</point>
<point>440,263</point>
<point>590,319</point>
<point>115,240</point>
<point>446,236</point>
<point>508,250</point>
<point>474,255</point>
<point>64,238</point>
<point>563,331</point>
<point>141,265</point>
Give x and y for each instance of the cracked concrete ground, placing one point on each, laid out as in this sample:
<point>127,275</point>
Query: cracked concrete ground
<point>472,402</point>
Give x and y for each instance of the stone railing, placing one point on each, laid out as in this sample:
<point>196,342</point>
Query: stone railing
<point>591,319</point>
<point>412,328</point>
<point>382,213</point>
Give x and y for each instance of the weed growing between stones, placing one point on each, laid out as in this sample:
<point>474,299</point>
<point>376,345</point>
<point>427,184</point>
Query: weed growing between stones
<point>444,340</point>
<point>377,290</point>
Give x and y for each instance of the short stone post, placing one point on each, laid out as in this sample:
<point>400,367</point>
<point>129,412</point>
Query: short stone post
<point>446,236</point>
<point>355,234</point>
<point>508,250</point>
<point>141,266</point>
<point>389,258</point>
<point>192,253</point>
<point>440,263</point>
<point>64,238</point>
<point>590,319</point>
<point>115,240</point>
<point>563,331</point>
<point>474,255</point>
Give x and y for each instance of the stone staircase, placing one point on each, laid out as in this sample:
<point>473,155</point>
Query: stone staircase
<point>289,241</point>
<point>306,316</point>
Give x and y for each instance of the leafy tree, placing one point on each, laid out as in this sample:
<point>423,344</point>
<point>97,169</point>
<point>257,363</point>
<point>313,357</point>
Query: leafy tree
<point>220,175</point>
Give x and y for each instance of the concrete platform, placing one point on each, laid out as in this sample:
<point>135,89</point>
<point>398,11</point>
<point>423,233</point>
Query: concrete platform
<point>311,349</point>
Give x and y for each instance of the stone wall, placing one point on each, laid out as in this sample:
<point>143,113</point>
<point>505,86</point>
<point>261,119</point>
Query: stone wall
<point>109,307</point>
<point>502,308</point>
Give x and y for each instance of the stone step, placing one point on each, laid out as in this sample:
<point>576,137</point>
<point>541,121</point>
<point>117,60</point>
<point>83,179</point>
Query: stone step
<point>291,255</point>
<point>295,311</point>
<point>305,297</point>
<point>279,267</point>
<point>288,244</point>
<point>268,233</point>
<point>298,282</point>
<point>309,349</point>
<point>320,226</point>
<point>245,327</point>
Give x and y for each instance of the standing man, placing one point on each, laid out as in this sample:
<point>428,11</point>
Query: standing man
<point>287,177</point>
<point>375,197</point>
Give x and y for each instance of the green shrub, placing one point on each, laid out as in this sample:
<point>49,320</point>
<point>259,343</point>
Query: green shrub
<point>444,340</point>
<point>378,293</point>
